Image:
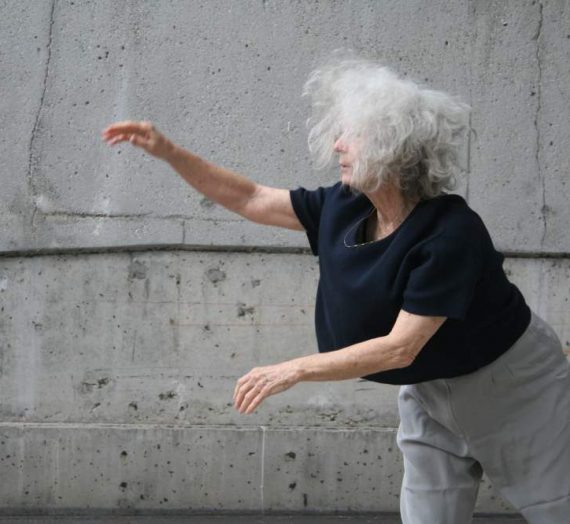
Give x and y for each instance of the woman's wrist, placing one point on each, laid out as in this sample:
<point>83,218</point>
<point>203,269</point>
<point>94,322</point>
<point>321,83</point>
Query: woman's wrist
<point>172,152</point>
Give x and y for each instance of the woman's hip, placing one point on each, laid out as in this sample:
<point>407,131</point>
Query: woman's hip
<point>532,375</point>
<point>512,417</point>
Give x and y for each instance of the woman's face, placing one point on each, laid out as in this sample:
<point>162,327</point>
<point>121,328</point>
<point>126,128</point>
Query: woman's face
<point>348,152</point>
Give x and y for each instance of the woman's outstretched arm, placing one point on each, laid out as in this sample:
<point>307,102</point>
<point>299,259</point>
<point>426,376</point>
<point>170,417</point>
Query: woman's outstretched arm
<point>258,203</point>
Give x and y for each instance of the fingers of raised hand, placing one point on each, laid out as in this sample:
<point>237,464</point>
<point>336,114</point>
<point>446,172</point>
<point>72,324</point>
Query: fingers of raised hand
<point>127,127</point>
<point>118,138</point>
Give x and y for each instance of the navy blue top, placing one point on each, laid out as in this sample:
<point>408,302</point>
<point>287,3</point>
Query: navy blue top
<point>440,261</point>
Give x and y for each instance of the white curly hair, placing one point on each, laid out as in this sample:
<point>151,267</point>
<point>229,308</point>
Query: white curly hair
<point>407,134</point>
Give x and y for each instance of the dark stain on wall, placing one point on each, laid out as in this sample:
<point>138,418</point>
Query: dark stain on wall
<point>215,275</point>
<point>167,396</point>
<point>137,270</point>
<point>243,310</point>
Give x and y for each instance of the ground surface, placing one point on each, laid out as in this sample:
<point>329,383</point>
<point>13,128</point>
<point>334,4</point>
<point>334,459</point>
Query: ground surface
<point>234,519</point>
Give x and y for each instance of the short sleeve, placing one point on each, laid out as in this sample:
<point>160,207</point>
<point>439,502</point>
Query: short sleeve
<point>443,281</point>
<point>308,205</point>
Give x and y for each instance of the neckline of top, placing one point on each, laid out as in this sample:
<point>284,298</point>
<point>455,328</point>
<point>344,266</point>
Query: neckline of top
<point>351,234</point>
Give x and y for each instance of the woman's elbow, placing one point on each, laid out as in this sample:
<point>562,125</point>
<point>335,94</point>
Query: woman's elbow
<point>395,355</point>
<point>405,355</point>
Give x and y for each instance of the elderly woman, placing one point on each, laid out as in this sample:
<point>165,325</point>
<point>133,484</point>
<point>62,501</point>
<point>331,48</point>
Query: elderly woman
<point>411,292</point>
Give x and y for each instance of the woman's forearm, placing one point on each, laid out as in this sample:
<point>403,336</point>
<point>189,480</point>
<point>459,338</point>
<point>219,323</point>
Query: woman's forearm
<point>224,187</point>
<point>358,360</point>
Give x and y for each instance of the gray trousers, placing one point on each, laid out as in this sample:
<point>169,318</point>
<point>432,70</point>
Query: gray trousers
<point>510,419</point>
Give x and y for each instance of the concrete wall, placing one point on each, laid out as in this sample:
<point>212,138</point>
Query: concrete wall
<point>130,304</point>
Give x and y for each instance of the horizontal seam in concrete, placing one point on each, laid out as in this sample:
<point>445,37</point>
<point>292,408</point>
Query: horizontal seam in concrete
<point>150,248</point>
<point>217,248</point>
<point>252,429</point>
<point>135,216</point>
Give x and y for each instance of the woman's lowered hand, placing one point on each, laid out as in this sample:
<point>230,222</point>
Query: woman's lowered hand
<point>261,382</point>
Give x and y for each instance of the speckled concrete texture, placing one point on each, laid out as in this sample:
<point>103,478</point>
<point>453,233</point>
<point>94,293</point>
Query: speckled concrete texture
<point>118,361</point>
<point>161,338</point>
<point>230,91</point>
<point>139,414</point>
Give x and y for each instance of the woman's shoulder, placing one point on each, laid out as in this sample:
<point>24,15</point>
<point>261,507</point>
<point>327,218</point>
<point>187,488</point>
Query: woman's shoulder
<point>453,216</point>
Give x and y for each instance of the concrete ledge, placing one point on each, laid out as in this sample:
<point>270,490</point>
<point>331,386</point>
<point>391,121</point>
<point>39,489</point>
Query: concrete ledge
<point>162,337</point>
<point>122,352</point>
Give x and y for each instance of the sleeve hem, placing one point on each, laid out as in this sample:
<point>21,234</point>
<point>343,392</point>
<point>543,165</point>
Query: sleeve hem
<point>431,311</point>
<point>312,241</point>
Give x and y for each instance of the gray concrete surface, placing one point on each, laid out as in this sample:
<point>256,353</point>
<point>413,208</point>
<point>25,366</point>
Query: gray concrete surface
<point>139,414</point>
<point>147,337</point>
<point>117,368</point>
<point>233,96</point>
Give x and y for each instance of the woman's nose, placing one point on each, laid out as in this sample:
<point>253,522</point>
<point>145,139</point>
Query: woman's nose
<point>339,146</point>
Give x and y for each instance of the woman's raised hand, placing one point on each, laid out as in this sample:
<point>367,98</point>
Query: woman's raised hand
<point>141,134</point>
